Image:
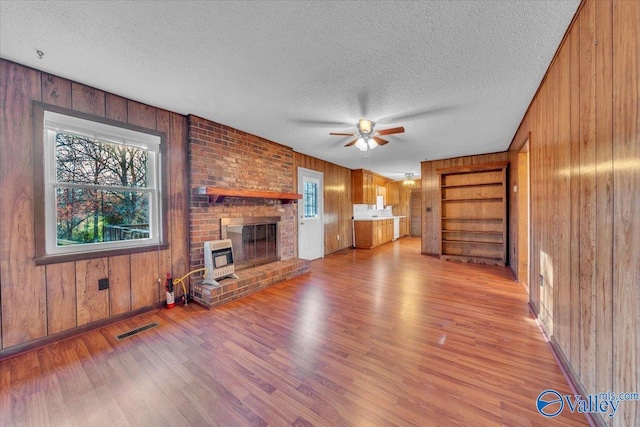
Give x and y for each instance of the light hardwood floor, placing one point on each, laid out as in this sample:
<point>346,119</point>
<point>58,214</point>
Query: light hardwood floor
<point>368,338</point>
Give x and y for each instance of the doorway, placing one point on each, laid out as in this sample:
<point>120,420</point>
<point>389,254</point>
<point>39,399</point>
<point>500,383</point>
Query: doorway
<point>523,216</point>
<point>310,213</point>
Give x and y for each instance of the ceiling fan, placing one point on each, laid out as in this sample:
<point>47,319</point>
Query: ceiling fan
<point>367,138</point>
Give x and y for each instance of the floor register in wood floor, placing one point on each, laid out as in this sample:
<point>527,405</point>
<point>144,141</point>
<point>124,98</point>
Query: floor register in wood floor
<point>369,338</point>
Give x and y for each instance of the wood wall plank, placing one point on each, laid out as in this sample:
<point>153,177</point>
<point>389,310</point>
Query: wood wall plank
<point>162,124</point>
<point>562,188</point>
<point>430,213</point>
<point>604,194</point>
<point>87,99</point>
<point>588,200</point>
<point>56,91</point>
<point>116,108</point>
<point>518,206</point>
<point>92,304</point>
<point>141,115</point>
<point>61,297</point>
<point>23,293</point>
<point>534,147</point>
<point>144,280</point>
<point>626,205</point>
<point>179,195</point>
<point>574,351</point>
<point>553,184</point>
<point>119,285</point>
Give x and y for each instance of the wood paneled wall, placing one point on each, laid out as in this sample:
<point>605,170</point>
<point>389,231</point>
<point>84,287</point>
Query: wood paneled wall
<point>338,208</point>
<point>585,201</point>
<point>431,195</point>
<point>40,301</point>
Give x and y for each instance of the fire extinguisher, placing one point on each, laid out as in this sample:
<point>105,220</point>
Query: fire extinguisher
<point>171,302</point>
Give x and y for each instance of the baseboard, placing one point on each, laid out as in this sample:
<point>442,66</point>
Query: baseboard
<point>595,420</point>
<point>535,312</point>
<point>72,333</point>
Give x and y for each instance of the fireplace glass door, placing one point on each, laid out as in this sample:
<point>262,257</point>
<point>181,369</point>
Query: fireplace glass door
<point>253,244</point>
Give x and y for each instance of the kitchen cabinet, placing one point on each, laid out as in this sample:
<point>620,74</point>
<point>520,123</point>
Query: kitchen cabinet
<point>372,233</point>
<point>393,193</point>
<point>473,213</point>
<point>364,187</point>
<point>403,227</point>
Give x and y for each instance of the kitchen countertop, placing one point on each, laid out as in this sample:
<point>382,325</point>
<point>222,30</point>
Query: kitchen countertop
<point>376,218</point>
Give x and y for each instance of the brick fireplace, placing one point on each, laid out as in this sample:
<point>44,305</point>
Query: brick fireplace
<point>226,158</point>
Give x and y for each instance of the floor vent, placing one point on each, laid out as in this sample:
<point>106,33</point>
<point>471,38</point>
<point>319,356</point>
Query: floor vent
<point>136,330</point>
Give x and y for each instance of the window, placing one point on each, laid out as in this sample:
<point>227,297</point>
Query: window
<point>310,198</point>
<point>102,186</point>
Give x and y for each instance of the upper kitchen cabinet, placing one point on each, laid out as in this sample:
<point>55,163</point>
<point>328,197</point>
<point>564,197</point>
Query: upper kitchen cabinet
<point>364,187</point>
<point>393,193</point>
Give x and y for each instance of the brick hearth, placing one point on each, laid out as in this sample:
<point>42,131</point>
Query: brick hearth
<point>250,281</point>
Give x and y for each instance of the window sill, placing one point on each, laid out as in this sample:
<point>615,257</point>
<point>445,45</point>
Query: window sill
<point>56,259</point>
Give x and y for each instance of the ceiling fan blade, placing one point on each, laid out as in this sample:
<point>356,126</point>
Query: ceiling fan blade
<point>380,141</point>
<point>341,134</point>
<point>352,142</point>
<point>391,131</point>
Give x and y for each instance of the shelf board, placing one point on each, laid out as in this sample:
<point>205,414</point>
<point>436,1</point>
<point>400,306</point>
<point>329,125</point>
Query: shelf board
<point>496,233</point>
<point>217,194</point>
<point>476,259</point>
<point>472,168</point>
<point>475,199</point>
<point>473,242</point>
<point>483,184</point>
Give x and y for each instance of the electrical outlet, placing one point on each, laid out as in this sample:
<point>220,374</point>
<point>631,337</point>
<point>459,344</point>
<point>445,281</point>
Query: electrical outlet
<point>338,237</point>
<point>103,284</point>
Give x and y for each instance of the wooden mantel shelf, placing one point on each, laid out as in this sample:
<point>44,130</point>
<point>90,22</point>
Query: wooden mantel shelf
<point>217,194</point>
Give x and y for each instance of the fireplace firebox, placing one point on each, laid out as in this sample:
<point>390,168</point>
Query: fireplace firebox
<point>255,240</point>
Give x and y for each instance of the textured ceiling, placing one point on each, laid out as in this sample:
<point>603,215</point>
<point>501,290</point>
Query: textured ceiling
<point>458,75</point>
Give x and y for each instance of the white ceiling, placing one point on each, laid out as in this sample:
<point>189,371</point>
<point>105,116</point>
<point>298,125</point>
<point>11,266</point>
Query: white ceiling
<point>458,75</point>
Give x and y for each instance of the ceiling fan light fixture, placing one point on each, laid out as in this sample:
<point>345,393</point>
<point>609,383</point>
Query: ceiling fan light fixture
<point>365,126</point>
<point>367,138</point>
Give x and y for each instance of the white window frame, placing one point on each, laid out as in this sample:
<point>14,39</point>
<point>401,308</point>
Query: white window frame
<point>55,122</point>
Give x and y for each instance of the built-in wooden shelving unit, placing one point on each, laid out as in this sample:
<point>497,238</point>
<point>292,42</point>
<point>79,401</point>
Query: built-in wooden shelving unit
<point>473,206</point>
<point>217,194</point>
